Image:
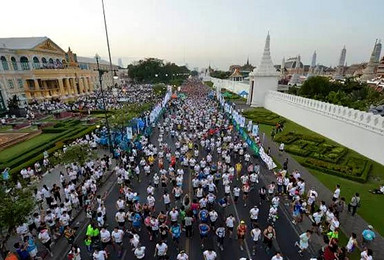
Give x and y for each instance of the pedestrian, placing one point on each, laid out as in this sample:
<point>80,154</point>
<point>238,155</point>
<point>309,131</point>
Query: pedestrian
<point>256,235</point>
<point>161,250</point>
<point>354,204</point>
<point>220,234</point>
<point>182,255</point>
<point>268,235</point>
<point>352,243</point>
<point>99,254</point>
<point>303,241</point>
<point>209,254</point>
<point>277,256</point>
<point>368,235</point>
<point>45,239</point>
<point>204,230</point>
<point>241,231</point>
<point>139,252</point>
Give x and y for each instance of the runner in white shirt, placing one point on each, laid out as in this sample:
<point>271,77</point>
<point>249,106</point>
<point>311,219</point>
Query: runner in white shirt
<point>256,235</point>
<point>209,255</point>
<point>254,214</point>
<point>161,249</point>
<point>182,256</point>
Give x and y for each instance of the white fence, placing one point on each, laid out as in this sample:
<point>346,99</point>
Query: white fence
<point>357,130</point>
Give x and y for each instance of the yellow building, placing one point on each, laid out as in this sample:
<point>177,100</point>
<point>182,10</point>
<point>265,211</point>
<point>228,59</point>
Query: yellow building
<point>35,68</point>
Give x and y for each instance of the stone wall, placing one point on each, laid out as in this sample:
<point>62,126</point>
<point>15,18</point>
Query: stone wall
<point>357,130</point>
<point>234,86</point>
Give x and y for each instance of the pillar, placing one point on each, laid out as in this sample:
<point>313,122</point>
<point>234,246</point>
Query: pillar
<point>45,91</point>
<point>91,86</point>
<point>81,85</point>
<point>37,88</point>
<point>86,85</point>
<point>67,86</point>
<point>74,86</point>
<point>61,87</point>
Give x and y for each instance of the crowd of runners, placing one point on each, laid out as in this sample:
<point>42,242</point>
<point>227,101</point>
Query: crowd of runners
<point>193,172</point>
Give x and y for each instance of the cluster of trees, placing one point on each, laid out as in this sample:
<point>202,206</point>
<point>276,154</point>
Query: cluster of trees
<point>152,70</point>
<point>220,74</point>
<point>351,93</point>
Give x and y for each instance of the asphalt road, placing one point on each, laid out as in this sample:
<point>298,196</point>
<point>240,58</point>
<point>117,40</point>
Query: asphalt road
<point>286,234</point>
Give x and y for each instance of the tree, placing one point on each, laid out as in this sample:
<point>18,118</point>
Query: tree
<point>78,153</point>
<point>152,70</point>
<point>16,205</point>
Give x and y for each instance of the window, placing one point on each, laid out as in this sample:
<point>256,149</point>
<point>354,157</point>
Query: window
<point>20,83</point>
<point>11,85</point>
<point>14,63</point>
<point>4,62</point>
<point>24,63</point>
<point>36,63</point>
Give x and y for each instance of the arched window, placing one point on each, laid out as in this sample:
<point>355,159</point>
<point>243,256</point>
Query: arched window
<point>24,63</point>
<point>36,63</point>
<point>44,60</point>
<point>50,61</point>
<point>14,63</point>
<point>4,62</point>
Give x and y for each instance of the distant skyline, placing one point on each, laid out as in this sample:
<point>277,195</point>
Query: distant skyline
<point>203,32</point>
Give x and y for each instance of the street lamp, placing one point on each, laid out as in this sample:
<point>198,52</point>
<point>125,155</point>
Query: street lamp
<point>97,57</point>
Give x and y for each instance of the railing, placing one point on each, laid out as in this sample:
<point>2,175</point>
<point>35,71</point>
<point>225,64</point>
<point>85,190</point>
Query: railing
<point>360,118</point>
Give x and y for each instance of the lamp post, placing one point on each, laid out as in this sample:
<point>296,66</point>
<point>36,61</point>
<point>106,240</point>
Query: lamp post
<point>109,49</point>
<point>110,146</point>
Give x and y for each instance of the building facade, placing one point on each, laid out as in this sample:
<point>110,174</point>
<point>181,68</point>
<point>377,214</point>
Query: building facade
<point>35,68</point>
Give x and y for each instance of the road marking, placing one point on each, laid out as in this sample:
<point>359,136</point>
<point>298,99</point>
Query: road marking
<point>238,219</point>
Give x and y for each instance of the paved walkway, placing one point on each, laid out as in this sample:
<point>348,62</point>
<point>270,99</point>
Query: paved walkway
<point>348,224</point>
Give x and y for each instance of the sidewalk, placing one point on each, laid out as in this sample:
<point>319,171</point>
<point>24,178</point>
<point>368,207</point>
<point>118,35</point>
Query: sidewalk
<point>53,177</point>
<point>348,224</point>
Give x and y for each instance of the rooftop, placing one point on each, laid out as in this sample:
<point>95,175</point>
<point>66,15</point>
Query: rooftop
<point>21,43</point>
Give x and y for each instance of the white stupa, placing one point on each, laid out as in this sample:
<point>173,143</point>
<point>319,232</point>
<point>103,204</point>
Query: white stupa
<point>263,78</point>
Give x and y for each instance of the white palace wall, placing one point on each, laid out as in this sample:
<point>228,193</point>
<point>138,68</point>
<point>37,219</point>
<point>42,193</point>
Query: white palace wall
<point>234,86</point>
<point>357,130</point>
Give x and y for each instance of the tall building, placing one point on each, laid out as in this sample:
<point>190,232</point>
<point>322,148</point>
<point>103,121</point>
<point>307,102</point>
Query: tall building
<point>341,65</point>
<point>120,63</point>
<point>36,68</point>
<point>311,71</point>
<point>370,71</point>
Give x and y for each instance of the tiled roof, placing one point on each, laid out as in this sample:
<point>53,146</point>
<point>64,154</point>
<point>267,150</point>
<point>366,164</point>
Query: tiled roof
<point>21,43</point>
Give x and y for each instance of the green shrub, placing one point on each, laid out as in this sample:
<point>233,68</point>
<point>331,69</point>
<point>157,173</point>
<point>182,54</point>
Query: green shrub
<point>53,130</point>
<point>287,138</point>
<point>354,174</point>
<point>297,150</point>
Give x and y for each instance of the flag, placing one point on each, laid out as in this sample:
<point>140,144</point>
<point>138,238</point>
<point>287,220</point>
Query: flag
<point>129,133</point>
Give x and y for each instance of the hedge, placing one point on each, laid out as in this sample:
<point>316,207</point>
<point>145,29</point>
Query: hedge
<point>294,149</point>
<point>58,145</point>
<point>28,155</point>
<point>327,168</point>
<point>287,138</point>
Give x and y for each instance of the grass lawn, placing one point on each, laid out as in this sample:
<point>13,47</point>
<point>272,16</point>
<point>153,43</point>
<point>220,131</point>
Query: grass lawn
<point>372,206</point>
<point>28,145</point>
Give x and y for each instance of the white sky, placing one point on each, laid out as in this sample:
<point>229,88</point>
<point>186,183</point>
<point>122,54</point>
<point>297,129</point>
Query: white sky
<point>199,32</point>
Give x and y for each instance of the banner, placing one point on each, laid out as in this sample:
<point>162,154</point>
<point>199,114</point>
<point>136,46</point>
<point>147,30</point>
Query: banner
<point>267,159</point>
<point>129,133</point>
<point>242,121</point>
<point>255,130</point>
<point>249,127</point>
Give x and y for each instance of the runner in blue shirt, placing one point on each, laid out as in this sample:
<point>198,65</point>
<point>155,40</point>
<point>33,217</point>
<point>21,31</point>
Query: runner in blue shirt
<point>176,232</point>
<point>136,222</point>
<point>203,215</point>
<point>204,230</point>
